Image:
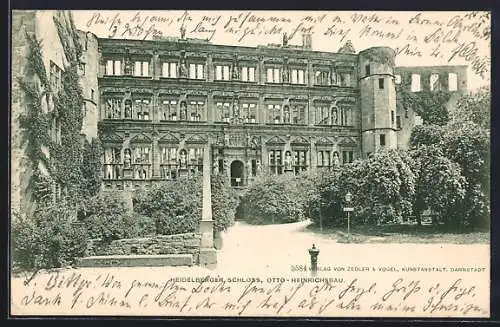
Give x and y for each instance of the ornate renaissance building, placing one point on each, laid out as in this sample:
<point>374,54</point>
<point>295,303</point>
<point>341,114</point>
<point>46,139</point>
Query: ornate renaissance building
<point>278,108</point>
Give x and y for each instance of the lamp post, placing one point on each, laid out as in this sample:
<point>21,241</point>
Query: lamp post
<point>348,209</point>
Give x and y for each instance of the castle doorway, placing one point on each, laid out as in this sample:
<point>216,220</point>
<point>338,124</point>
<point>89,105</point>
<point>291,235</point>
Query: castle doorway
<point>237,170</point>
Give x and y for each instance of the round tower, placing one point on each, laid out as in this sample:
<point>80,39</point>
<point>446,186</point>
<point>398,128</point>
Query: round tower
<point>378,99</point>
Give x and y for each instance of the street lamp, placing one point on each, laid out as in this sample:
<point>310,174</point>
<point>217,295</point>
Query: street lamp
<point>348,209</point>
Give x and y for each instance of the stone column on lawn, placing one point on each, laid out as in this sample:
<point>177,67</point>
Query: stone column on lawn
<point>208,254</point>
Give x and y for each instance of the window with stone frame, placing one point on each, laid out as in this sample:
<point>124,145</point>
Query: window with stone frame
<point>434,83</point>
<point>168,110</point>
<point>345,79</point>
<point>300,160</point>
<point>415,83</point>
<point>223,111</point>
<point>113,67</point>
<point>141,162</point>
<point>298,113</point>
<point>248,74</point>
<point>195,160</point>
<point>323,113</point>
<point>142,108</point>
<point>196,110</point>
<point>55,76</point>
<point>274,113</point>
<point>347,156</point>
<point>276,161</point>
<point>169,69</point>
<point>196,71</point>
<point>112,107</point>
<point>273,75</point>
<point>141,68</point>
<point>168,162</point>
<point>113,164</point>
<point>298,76</point>
<point>249,112</point>
<point>321,77</point>
<point>222,73</point>
<point>345,116</point>
<point>324,159</point>
<point>452,82</point>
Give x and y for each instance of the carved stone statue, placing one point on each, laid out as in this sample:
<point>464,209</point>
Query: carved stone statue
<point>347,48</point>
<point>285,40</point>
<point>336,159</point>
<point>128,70</point>
<point>288,161</point>
<point>183,32</point>
<point>236,70</point>
<point>128,108</point>
<point>183,159</point>
<point>128,158</point>
<point>183,69</point>
<point>285,75</point>
<point>215,167</point>
<point>334,116</point>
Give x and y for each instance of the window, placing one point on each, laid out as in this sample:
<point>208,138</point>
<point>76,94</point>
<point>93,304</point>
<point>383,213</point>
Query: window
<point>169,70</point>
<point>452,82</point>
<point>168,163</point>
<point>276,161</point>
<point>347,156</point>
<point>381,83</point>
<point>300,161</point>
<point>274,113</point>
<point>112,163</point>
<point>273,75</point>
<point>113,67</point>
<point>345,116</point>
<point>196,110</point>
<point>195,161</point>
<point>397,79</point>
<point>321,77</point>
<point>345,79</point>
<point>434,82</point>
<point>249,112</point>
<point>248,74</point>
<point>223,109</point>
<point>398,122</point>
<point>141,163</point>
<point>142,109</point>
<point>323,116</point>
<point>196,71</point>
<point>112,108</point>
<point>415,82</point>
<point>298,114</point>
<point>367,69</point>
<point>392,117</point>
<point>382,139</point>
<point>168,110</point>
<point>324,159</point>
<point>141,68</point>
<point>298,76</point>
<point>92,95</point>
<point>55,76</point>
<point>222,73</point>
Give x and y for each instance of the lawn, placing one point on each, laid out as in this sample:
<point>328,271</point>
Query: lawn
<point>401,233</point>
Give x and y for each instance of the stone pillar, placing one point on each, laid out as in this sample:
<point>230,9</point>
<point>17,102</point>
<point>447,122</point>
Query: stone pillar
<point>156,157</point>
<point>208,254</point>
<point>210,113</point>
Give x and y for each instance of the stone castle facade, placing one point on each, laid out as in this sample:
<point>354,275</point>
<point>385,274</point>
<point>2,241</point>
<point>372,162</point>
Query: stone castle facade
<point>158,105</point>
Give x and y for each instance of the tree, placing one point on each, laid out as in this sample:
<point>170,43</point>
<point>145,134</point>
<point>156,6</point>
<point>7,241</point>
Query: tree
<point>474,107</point>
<point>439,183</point>
<point>426,135</point>
<point>224,203</point>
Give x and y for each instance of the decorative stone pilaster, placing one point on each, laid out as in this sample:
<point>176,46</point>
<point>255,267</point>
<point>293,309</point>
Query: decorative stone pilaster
<point>208,254</point>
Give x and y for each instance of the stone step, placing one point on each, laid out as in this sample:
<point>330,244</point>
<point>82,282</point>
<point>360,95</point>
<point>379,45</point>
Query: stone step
<point>138,260</point>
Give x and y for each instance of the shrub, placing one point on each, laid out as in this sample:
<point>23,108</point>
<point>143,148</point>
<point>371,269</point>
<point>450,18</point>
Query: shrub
<point>49,239</point>
<point>274,199</point>
<point>107,218</point>
<point>224,203</point>
<point>175,206</point>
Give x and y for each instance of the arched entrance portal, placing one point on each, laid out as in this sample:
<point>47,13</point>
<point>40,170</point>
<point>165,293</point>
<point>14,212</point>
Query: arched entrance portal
<point>237,170</point>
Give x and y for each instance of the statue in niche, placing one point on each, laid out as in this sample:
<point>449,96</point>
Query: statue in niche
<point>286,74</point>
<point>128,64</point>
<point>183,110</point>
<point>128,158</point>
<point>183,32</point>
<point>334,116</point>
<point>226,165</point>
<point>286,114</point>
<point>183,159</point>
<point>236,109</point>
<point>183,69</point>
<point>336,159</point>
<point>288,161</point>
<point>128,108</point>
<point>215,167</point>
<point>236,73</point>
